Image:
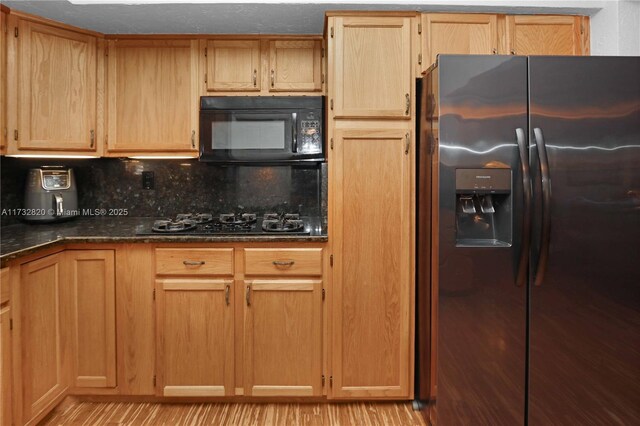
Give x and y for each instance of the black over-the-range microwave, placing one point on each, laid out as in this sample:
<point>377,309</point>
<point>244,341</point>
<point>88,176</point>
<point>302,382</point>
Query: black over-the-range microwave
<point>262,130</point>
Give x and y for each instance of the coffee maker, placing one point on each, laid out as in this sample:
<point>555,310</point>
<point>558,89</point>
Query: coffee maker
<point>50,194</point>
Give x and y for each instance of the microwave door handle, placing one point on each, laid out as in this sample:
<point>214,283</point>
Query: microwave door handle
<point>294,125</point>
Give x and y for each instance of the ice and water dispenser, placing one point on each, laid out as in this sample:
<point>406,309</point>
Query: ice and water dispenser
<point>483,207</point>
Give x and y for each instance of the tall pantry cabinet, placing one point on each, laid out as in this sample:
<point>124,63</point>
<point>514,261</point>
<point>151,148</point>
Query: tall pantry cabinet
<point>371,168</point>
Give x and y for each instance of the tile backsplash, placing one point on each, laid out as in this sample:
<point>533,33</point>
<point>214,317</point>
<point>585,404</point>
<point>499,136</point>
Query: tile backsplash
<point>179,186</point>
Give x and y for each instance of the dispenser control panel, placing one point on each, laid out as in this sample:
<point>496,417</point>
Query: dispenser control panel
<point>491,181</point>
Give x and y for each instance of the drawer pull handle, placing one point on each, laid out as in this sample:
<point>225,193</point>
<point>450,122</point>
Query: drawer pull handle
<point>283,263</point>
<point>194,262</point>
<point>227,290</point>
<point>248,295</point>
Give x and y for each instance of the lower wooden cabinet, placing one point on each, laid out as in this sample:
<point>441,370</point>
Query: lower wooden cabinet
<point>283,337</point>
<point>44,311</point>
<point>239,320</point>
<point>91,277</point>
<point>194,323</point>
<point>6,394</point>
<point>372,278</point>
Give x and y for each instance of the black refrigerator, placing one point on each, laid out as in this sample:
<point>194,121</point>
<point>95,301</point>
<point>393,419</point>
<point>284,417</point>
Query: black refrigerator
<point>528,241</point>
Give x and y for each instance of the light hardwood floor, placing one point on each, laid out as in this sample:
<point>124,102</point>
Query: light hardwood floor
<point>362,414</point>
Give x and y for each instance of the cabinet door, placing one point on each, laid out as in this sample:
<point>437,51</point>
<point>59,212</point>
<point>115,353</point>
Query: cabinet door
<point>195,337</point>
<point>283,337</point>
<point>153,97</point>
<point>372,285</point>
<point>371,67</point>
<point>43,311</point>
<point>458,33</point>
<point>233,65</point>
<point>547,35</point>
<point>57,89</point>
<point>3,83</point>
<point>91,275</point>
<point>295,65</point>
<point>5,367</point>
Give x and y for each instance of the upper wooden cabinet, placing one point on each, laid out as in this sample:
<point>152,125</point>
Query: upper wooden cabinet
<point>262,66</point>
<point>487,34</point>
<point>233,65</point>
<point>56,79</point>
<point>370,66</point>
<point>547,35</point>
<point>152,97</point>
<point>3,82</point>
<point>295,65</point>
<point>459,33</point>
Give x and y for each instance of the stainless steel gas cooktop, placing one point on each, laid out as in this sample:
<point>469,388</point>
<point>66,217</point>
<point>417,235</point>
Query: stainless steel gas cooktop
<point>206,224</point>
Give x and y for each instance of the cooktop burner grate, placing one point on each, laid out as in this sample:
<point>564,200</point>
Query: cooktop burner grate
<point>170,226</point>
<point>232,224</point>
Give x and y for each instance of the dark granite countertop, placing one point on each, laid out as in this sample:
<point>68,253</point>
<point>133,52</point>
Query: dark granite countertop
<point>23,239</point>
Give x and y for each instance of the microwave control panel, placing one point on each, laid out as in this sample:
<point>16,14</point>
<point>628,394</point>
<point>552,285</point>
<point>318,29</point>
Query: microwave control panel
<point>311,141</point>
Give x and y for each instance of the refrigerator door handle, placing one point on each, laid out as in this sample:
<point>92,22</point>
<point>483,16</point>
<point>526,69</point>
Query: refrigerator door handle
<point>543,259</point>
<point>526,215</point>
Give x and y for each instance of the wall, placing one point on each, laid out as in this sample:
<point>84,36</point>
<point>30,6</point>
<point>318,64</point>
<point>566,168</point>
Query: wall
<point>181,186</point>
<point>615,29</point>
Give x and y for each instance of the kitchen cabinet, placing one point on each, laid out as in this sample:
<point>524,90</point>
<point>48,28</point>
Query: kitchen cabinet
<point>233,66</point>
<point>43,302</point>
<point>6,375</point>
<point>135,319</point>
<point>3,81</point>
<point>283,322</point>
<point>194,323</point>
<point>262,66</point>
<point>370,66</point>
<point>91,276</point>
<point>152,97</point>
<point>372,222</point>
<point>5,366</point>
<point>57,85</point>
<point>547,35</point>
<point>278,324</point>
<point>295,65</point>
<point>457,33</point>
<point>486,34</point>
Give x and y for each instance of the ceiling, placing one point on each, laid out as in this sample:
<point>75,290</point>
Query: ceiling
<point>251,17</point>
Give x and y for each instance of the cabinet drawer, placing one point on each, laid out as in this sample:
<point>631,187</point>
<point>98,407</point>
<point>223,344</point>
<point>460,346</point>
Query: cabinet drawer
<point>171,261</point>
<point>283,261</point>
<point>5,286</point>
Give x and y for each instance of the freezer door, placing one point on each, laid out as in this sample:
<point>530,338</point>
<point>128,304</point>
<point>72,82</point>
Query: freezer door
<point>481,307</point>
<point>585,284</point>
